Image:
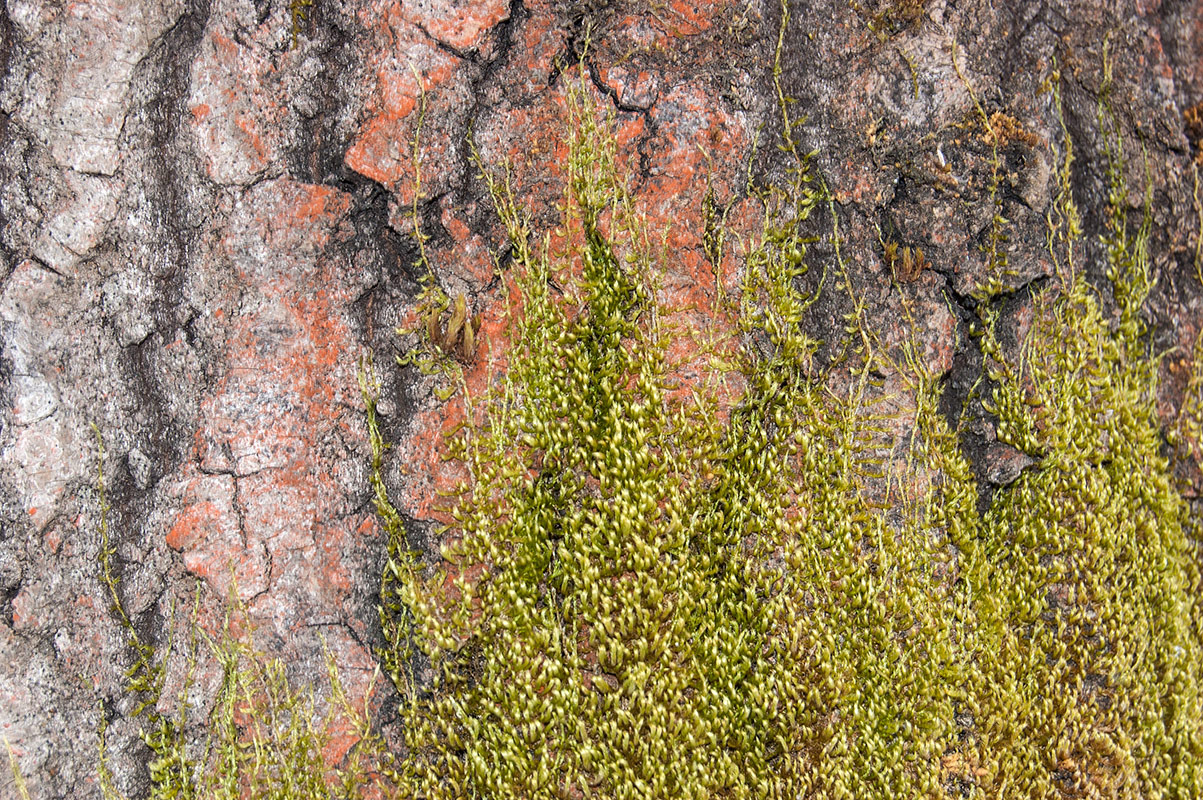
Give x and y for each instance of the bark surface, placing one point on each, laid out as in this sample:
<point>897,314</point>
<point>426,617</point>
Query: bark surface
<point>206,221</point>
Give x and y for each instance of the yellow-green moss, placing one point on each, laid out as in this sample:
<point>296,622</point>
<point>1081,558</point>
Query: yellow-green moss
<point>644,593</point>
<point>1090,605</point>
<point>640,600</point>
<point>298,12</point>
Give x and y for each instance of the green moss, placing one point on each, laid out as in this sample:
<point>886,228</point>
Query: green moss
<point>264,737</point>
<point>1188,430</point>
<point>639,599</point>
<point>1090,606</point>
<point>647,593</point>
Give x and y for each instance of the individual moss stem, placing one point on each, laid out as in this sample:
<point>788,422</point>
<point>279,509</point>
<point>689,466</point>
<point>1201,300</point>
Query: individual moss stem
<point>18,779</point>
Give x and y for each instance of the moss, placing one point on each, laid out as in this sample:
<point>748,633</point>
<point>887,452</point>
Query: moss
<point>298,12</point>
<point>647,592</point>
<point>1188,429</point>
<point>1090,605</point>
<point>264,737</point>
<point>639,599</point>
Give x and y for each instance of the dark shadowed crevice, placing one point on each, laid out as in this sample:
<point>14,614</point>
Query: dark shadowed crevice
<point>159,104</point>
<point>651,128</point>
<point>321,141</point>
<point>6,603</point>
<point>393,257</point>
<point>173,172</point>
<point>263,9</point>
<point>6,46</point>
<point>159,437</point>
<point>169,218</point>
<point>393,261</point>
<point>7,258</point>
<point>581,18</point>
<point>966,385</point>
<point>170,175</point>
<point>487,77</point>
<point>469,56</point>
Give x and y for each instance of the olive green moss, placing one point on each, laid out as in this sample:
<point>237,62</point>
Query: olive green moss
<point>639,599</point>
<point>298,12</point>
<point>646,591</point>
<point>1187,435</point>
<point>1089,598</point>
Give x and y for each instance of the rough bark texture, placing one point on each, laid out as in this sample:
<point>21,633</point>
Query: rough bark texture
<point>204,228</point>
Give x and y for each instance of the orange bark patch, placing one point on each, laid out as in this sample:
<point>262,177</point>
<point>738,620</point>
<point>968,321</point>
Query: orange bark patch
<point>687,18</point>
<point>460,24</point>
<point>277,420</point>
<point>384,149</point>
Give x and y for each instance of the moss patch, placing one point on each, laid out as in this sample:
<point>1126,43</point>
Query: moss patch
<point>647,590</point>
<point>641,597</point>
<point>1089,604</point>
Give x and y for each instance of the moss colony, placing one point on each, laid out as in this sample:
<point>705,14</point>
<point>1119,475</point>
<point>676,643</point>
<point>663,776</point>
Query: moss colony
<point>639,599</point>
<point>648,592</point>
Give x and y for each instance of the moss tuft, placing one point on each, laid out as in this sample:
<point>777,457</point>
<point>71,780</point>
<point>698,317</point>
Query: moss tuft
<point>1090,604</point>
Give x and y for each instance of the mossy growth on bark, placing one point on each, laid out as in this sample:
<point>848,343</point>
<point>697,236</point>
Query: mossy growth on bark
<point>262,738</point>
<point>647,590</point>
<point>1088,603</point>
<point>643,596</point>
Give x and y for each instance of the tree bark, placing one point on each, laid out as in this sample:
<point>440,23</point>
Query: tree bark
<point>208,221</point>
